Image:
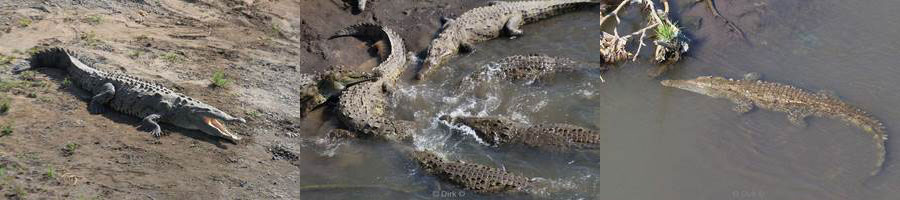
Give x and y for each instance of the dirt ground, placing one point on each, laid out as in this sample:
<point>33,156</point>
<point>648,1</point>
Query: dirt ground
<point>57,150</point>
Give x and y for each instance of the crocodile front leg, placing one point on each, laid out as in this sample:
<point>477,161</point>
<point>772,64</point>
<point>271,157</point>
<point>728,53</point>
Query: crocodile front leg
<point>798,117</point>
<point>150,124</point>
<point>743,105</point>
<point>106,93</point>
<point>513,26</point>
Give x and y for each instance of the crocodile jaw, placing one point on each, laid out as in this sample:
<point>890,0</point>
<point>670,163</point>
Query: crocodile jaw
<point>217,128</point>
<point>689,85</point>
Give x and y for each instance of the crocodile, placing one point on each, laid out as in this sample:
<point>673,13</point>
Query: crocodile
<point>797,103</point>
<point>497,131</point>
<point>489,22</point>
<point>317,89</point>
<point>529,68</point>
<point>361,107</point>
<point>472,176</point>
<point>133,96</point>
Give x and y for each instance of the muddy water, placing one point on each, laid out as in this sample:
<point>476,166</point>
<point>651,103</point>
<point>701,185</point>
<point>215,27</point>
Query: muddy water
<point>663,143</point>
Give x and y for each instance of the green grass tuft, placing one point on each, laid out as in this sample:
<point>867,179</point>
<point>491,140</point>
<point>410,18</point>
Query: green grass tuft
<point>70,149</point>
<point>66,82</point>
<point>219,80</point>
<point>170,57</point>
<point>134,54</point>
<point>51,172</point>
<point>91,39</point>
<point>28,75</point>
<point>33,50</point>
<point>6,130</point>
<point>25,22</point>
<point>4,106</point>
<point>6,59</point>
<point>667,31</point>
<point>93,19</point>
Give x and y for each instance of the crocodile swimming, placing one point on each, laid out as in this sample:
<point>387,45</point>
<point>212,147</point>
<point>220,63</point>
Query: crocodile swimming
<point>530,68</point>
<point>127,94</point>
<point>797,103</point>
<point>471,176</point>
<point>362,107</point>
<point>489,22</point>
<point>499,131</point>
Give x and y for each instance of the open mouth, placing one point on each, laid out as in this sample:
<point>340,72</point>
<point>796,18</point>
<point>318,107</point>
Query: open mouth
<point>219,126</point>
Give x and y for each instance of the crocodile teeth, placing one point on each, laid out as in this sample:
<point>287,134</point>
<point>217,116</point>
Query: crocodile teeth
<point>218,125</point>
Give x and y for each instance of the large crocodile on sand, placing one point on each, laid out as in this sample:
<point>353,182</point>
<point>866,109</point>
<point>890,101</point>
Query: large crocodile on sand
<point>489,22</point>
<point>471,176</point>
<point>797,103</point>
<point>152,102</point>
<point>362,107</point>
<point>498,131</point>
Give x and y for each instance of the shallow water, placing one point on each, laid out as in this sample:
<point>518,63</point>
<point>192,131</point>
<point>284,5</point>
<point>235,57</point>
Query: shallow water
<point>662,143</point>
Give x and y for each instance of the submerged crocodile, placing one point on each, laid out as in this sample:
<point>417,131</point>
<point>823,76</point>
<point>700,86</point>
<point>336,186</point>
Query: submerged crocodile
<point>797,103</point>
<point>361,107</point>
<point>501,131</point>
<point>488,22</point>
<point>152,102</point>
<point>530,68</point>
<point>471,176</point>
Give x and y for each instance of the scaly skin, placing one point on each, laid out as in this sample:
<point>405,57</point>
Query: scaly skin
<point>501,131</point>
<point>531,67</point>
<point>152,102</point>
<point>797,103</point>
<point>471,176</point>
<point>361,107</point>
<point>318,89</point>
<point>489,22</point>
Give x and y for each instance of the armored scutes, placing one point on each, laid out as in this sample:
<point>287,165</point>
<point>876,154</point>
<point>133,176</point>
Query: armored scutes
<point>797,103</point>
<point>475,177</point>
<point>486,23</point>
<point>361,107</point>
<point>530,68</point>
<point>152,102</point>
<point>501,131</point>
<point>318,89</point>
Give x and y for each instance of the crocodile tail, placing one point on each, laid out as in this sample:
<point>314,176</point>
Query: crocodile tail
<point>53,57</point>
<point>879,135</point>
<point>361,30</point>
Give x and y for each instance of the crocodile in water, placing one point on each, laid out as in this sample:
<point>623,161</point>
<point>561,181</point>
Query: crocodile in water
<point>502,131</point>
<point>797,103</point>
<point>488,22</point>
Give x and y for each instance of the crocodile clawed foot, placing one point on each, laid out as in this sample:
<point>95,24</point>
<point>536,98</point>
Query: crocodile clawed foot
<point>153,130</point>
<point>96,109</point>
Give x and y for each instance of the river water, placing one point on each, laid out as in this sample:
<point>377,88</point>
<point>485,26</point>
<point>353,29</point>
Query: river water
<point>663,143</point>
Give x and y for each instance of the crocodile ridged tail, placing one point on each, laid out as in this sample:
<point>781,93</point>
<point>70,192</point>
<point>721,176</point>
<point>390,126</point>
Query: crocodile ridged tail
<point>53,58</point>
<point>361,30</point>
<point>879,135</point>
<point>871,125</point>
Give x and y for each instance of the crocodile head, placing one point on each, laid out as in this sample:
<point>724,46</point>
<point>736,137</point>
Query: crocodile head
<point>206,119</point>
<point>706,85</point>
<point>330,84</point>
<point>439,53</point>
<point>491,130</point>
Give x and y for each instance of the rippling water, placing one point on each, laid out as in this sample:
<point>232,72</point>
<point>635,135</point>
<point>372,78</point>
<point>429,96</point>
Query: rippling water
<point>663,143</point>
